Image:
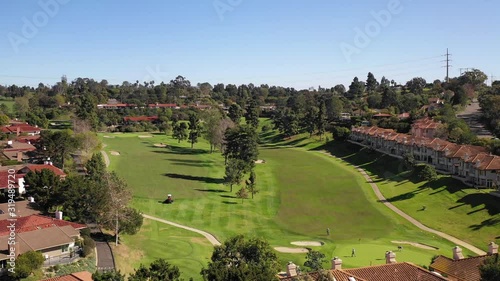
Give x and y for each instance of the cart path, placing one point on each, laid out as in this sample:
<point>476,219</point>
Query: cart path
<point>207,235</point>
<point>106,157</point>
<point>418,224</point>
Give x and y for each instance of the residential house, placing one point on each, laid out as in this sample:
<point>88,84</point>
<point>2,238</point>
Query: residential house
<point>14,175</point>
<point>21,129</point>
<point>425,127</point>
<point>17,151</point>
<point>460,268</point>
<point>163,105</point>
<point>54,238</point>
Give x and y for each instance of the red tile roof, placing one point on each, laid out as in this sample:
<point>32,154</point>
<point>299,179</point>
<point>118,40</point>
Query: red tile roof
<point>40,167</point>
<point>78,276</point>
<point>26,139</point>
<point>34,222</point>
<point>339,275</point>
<point>23,128</point>
<point>4,180</point>
<point>162,105</point>
<point>463,269</point>
<point>394,272</point>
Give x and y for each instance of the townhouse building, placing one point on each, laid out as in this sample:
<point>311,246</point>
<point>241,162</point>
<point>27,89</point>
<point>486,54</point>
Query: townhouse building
<point>474,165</point>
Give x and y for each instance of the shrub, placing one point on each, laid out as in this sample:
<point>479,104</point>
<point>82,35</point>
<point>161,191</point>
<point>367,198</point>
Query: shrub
<point>428,173</point>
<point>88,246</point>
<point>266,128</point>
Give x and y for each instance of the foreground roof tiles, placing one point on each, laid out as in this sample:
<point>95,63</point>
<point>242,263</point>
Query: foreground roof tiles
<point>77,276</point>
<point>463,269</point>
<point>394,272</point>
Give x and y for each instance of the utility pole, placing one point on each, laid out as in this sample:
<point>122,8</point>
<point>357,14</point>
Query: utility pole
<point>492,79</point>
<point>447,65</point>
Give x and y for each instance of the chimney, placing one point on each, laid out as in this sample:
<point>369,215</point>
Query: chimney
<point>59,215</point>
<point>18,132</point>
<point>492,248</point>
<point>19,156</point>
<point>336,263</point>
<point>457,253</point>
<point>291,269</point>
<point>50,163</point>
<point>9,142</point>
<point>390,257</point>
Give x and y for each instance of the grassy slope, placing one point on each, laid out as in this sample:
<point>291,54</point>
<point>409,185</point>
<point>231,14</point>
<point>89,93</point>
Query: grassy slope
<point>469,214</point>
<point>278,211</point>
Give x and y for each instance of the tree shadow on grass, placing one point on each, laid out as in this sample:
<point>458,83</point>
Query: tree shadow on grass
<point>478,199</point>
<point>227,196</point>
<point>211,190</point>
<point>172,149</point>
<point>404,196</point>
<point>194,178</point>
<point>488,222</point>
<point>192,164</point>
<point>191,161</point>
<point>229,202</point>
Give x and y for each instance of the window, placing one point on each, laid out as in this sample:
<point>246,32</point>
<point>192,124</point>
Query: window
<point>65,248</point>
<point>489,183</point>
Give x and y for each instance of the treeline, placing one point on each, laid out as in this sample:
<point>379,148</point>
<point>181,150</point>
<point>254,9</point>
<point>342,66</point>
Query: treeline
<point>490,104</point>
<point>362,98</point>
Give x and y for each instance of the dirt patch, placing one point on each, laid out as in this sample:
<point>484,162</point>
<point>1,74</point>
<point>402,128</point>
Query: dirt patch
<point>307,243</point>
<point>415,244</point>
<point>291,250</point>
<point>260,161</point>
<point>115,153</point>
<point>145,136</point>
<point>160,145</point>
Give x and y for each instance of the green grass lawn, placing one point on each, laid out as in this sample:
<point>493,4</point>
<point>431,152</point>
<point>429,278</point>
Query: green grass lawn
<point>301,194</point>
<point>185,249</point>
<point>9,103</point>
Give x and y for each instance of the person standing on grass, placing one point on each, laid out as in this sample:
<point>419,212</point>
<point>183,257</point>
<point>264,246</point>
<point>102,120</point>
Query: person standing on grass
<point>328,231</point>
<point>353,253</point>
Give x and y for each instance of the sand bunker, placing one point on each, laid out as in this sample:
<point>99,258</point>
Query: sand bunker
<point>260,161</point>
<point>160,145</point>
<point>145,136</point>
<point>415,244</point>
<point>115,153</point>
<point>109,137</point>
<point>291,250</point>
<point>307,243</point>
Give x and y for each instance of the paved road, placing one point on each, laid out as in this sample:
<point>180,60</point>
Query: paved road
<point>472,116</point>
<point>418,224</point>
<point>104,257</point>
<point>207,235</point>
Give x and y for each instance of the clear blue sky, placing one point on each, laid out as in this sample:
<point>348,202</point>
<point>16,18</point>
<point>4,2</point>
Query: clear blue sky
<point>294,43</point>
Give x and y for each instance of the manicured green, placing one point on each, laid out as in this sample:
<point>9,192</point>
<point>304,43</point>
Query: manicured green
<point>301,194</point>
<point>185,249</point>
